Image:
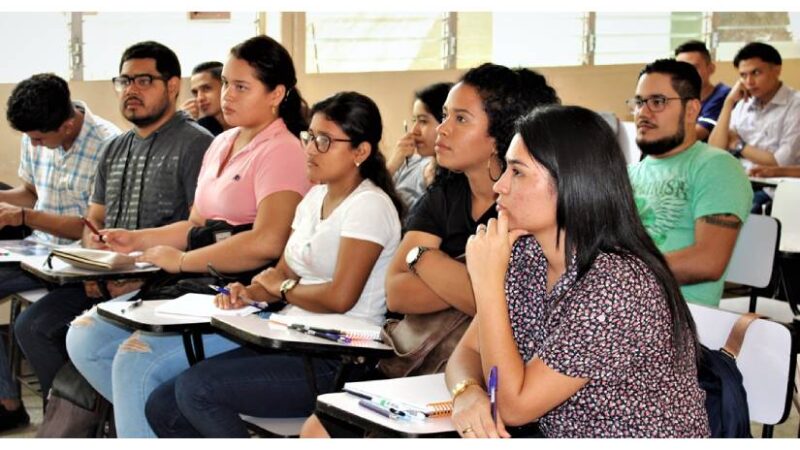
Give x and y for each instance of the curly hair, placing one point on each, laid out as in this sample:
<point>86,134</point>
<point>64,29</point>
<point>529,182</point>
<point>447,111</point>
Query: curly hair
<point>39,103</point>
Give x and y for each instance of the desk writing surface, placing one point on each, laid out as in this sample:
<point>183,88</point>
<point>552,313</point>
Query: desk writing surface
<point>144,317</point>
<point>256,330</point>
<point>14,251</point>
<point>344,406</point>
<point>63,273</point>
<point>769,181</point>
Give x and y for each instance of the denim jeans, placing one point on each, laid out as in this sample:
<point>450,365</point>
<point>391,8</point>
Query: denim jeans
<point>42,328</point>
<point>12,280</point>
<point>206,400</point>
<point>126,367</point>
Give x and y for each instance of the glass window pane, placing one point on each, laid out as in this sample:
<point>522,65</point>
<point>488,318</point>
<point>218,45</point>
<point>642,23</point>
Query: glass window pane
<point>537,39</point>
<point>106,35</point>
<point>34,43</point>
<point>625,38</point>
<point>366,42</point>
<point>778,29</point>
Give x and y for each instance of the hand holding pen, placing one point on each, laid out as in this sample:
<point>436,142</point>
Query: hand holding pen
<point>97,240</point>
<point>234,296</point>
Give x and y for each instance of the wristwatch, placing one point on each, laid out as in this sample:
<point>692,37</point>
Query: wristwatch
<point>287,285</point>
<point>738,149</point>
<point>462,386</point>
<point>413,257</point>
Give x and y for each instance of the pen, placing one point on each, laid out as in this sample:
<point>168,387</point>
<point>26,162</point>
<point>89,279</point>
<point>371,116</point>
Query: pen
<point>386,411</point>
<point>93,229</point>
<point>327,336</point>
<point>226,291</point>
<point>408,411</point>
<point>135,304</point>
<point>493,392</point>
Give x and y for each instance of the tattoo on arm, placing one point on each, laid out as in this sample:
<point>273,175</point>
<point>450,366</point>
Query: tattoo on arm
<point>723,220</point>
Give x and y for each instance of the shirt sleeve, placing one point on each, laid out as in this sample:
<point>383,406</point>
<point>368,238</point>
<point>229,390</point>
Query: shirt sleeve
<point>372,217</point>
<point>428,213</point>
<point>720,186</point>
<point>788,152</point>
<point>282,168</point>
<point>26,158</point>
<point>99,193</point>
<point>710,114</point>
<point>191,161</point>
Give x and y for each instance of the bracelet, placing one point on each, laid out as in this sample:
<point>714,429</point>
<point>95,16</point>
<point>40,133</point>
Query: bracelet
<point>180,263</point>
<point>462,386</point>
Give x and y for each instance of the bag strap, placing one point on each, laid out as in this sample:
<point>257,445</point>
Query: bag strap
<point>734,343</point>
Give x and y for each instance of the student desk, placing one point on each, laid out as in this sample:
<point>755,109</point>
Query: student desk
<point>15,251</point>
<point>145,318</point>
<point>759,182</point>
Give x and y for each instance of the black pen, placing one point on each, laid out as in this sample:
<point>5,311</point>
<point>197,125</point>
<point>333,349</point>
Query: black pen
<point>135,304</point>
<point>327,336</point>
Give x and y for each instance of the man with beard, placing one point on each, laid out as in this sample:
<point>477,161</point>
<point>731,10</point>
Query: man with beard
<point>692,198</point>
<point>145,178</point>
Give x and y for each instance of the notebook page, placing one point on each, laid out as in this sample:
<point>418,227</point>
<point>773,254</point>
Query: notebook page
<point>200,305</point>
<point>416,392</point>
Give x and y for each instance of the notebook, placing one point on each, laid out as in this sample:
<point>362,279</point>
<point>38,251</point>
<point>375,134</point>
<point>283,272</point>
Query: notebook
<point>200,305</point>
<point>348,326</point>
<point>426,393</point>
<point>85,258</point>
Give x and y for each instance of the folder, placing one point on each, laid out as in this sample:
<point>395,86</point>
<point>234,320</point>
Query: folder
<point>426,393</point>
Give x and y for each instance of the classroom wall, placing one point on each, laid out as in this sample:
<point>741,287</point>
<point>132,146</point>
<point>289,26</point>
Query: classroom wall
<point>602,88</point>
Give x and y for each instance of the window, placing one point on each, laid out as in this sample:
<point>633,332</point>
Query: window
<point>106,35</point>
<point>733,30</point>
<point>33,43</point>
<point>367,42</point>
<point>629,38</point>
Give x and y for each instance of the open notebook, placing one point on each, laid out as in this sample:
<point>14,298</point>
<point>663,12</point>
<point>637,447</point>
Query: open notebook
<point>347,326</point>
<point>426,393</point>
<point>200,305</point>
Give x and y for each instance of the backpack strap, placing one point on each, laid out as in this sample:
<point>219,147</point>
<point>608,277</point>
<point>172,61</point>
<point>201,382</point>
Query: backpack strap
<point>734,343</point>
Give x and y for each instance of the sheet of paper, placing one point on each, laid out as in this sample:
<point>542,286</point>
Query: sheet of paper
<point>200,305</point>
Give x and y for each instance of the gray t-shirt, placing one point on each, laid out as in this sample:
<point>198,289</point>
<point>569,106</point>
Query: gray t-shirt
<point>150,182</point>
<point>409,180</point>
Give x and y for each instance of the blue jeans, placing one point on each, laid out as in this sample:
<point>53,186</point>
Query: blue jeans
<point>126,367</point>
<point>42,328</point>
<point>206,400</point>
<point>12,280</point>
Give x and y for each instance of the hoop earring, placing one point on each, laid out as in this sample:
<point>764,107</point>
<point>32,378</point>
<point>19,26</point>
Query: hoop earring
<point>489,168</point>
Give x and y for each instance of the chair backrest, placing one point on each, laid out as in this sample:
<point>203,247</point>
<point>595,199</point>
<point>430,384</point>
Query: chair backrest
<point>627,140</point>
<point>766,361</point>
<point>786,208</point>
<point>754,255</point>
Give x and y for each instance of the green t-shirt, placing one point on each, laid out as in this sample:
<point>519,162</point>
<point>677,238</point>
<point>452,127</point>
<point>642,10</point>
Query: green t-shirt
<point>672,193</point>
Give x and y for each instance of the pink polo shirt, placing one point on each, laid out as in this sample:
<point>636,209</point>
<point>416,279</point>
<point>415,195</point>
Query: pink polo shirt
<point>272,162</point>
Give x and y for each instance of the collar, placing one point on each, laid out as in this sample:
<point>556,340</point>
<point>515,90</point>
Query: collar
<point>781,97</point>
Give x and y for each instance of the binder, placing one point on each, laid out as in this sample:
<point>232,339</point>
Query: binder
<point>426,393</point>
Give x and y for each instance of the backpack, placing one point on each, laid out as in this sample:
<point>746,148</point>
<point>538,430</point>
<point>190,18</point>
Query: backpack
<point>74,409</point>
<point>719,377</point>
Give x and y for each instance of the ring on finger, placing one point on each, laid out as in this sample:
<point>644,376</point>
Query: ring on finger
<point>466,430</point>
<point>481,228</point>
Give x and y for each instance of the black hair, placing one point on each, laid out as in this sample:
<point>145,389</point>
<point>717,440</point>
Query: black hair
<point>167,63</point>
<point>433,98</point>
<point>683,76</point>
<point>595,203</point>
<point>760,50</point>
<point>39,103</point>
<point>694,46</point>
<point>507,94</point>
<point>360,119</point>
<point>212,67</point>
<point>274,66</point>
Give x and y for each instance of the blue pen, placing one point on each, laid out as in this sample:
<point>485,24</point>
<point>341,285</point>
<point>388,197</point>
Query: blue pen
<point>385,411</point>
<point>226,291</point>
<point>334,337</point>
<point>493,392</point>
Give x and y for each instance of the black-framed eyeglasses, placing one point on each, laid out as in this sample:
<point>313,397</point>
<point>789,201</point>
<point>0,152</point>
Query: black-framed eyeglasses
<point>142,81</point>
<point>321,141</point>
<point>655,103</point>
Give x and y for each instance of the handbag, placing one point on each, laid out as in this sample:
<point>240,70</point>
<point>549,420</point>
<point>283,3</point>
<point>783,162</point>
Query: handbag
<point>422,343</point>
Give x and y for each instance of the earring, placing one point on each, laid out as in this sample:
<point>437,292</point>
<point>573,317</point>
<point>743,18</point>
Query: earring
<point>489,167</point>
<point>274,110</point>
<point>358,163</point>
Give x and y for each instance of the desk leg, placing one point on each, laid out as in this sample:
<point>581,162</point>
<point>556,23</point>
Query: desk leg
<point>187,347</point>
<point>199,351</point>
<point>14,355</point>
<point>103,286</point>
<point>312,379</point>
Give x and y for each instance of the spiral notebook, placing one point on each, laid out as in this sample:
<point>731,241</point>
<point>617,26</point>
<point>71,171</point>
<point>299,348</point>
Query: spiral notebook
<point>347,326</point>
<point>426,393</point>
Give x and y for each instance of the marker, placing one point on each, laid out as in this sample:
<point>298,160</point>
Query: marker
<point>93,229</point>
<point>226,291</point>
<point>493,392</point>
<point>131,306</point>
<point>409,412</point>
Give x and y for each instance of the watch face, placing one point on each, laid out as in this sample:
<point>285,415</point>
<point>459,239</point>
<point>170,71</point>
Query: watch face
<point>411,256</point>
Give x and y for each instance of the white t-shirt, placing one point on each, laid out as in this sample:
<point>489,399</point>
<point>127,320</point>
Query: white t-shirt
<point>313,248</point>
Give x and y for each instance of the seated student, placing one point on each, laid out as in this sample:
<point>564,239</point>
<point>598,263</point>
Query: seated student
<point>251,174</point>
<point>576,307</point>
<point>205,105</point>
<point>711,95</point>
<point>345,232</point>
<point>692,198</point>
<point>413,154</point>
<point>425,275</point>
<point>145,178</point>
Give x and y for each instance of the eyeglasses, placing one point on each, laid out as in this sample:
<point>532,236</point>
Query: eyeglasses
<point>321,141</point>
<point>655,103</point>
<point>142,81</point>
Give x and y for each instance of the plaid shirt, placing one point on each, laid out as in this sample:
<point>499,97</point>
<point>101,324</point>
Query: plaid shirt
<point>64,180</point>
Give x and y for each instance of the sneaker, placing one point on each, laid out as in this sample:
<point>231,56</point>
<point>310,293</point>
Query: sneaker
<point>13,419</point>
